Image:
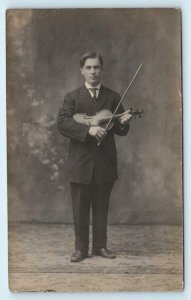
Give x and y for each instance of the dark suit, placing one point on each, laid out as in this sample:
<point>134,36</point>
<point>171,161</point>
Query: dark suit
<point>92,168</point>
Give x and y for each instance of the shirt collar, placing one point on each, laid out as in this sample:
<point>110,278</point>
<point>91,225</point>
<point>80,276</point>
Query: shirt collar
<point>88,86</point>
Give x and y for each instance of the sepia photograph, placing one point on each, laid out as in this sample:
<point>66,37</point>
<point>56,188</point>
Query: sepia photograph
<point>94,150</point>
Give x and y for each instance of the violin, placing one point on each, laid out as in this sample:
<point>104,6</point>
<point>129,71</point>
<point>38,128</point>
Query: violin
<point>102,117</point>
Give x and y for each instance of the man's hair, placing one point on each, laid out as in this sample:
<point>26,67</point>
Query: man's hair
<point>90,55</point>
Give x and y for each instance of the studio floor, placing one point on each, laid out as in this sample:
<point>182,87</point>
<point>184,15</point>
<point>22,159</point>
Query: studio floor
<point>149,258</point>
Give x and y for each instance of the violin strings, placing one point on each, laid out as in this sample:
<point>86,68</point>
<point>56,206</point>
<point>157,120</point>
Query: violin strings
<point>111,119</point>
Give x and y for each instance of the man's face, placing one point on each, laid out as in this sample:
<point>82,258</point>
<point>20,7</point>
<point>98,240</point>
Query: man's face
<point>92,71</point>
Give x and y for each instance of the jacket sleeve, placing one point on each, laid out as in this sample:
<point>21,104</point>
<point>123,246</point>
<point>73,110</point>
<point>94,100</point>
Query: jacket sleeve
<point>120,129</point>
<point>66,124</point>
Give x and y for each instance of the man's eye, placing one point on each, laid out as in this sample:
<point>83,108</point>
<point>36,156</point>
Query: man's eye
<point>95,67</point>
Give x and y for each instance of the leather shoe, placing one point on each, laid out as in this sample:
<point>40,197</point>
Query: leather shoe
<point>104,252</point>
<point>78,256</point>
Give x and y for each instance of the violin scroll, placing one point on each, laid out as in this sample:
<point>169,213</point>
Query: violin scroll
<point>136,113</point>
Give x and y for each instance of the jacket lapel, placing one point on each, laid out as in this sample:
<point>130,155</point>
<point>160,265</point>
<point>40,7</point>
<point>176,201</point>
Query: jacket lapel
<point>102,98</point>
<point>84,93</point>
<point>87,101</point>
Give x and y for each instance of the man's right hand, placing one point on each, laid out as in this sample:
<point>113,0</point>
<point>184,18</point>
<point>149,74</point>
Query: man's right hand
<point>98,132</point>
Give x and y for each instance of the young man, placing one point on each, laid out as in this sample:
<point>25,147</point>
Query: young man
<point>92,167</point>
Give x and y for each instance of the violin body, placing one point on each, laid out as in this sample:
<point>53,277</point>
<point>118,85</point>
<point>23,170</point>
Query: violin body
<point>103,118</point>
<point>99,119</point>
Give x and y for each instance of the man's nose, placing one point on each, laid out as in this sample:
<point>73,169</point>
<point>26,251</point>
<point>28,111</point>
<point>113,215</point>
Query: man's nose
<point>92,70</point>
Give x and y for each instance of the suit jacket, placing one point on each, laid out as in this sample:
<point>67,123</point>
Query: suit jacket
<point>85,156</point>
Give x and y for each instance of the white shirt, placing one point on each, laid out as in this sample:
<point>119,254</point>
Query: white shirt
<point>88,86</point>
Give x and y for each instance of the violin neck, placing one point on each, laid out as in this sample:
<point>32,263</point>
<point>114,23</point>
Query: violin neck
<point>133,113</point>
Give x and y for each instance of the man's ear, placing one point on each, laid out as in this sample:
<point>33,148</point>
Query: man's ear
<point>82,71</point>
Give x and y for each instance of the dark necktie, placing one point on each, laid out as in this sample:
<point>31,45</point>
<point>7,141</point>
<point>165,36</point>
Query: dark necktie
<point>93,90</point>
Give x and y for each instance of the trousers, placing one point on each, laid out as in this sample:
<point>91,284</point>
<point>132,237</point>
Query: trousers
<point>85,197</point>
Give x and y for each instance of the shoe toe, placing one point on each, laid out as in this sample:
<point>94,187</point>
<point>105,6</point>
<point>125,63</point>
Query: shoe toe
<point>104,252</point>
<point>78,256</point>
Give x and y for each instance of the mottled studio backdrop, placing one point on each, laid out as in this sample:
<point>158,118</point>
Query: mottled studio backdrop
<point>43,51</point>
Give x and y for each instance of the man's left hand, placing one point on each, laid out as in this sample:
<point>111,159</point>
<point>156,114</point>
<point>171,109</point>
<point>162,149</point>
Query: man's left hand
<point>124,119</point>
